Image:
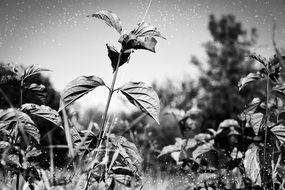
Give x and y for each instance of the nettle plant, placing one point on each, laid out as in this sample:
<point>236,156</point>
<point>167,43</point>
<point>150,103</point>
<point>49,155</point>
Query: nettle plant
<point>240,155</point>
<point>100,158</point>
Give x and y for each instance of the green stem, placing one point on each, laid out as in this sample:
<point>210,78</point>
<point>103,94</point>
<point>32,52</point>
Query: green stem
<point>266,126</point>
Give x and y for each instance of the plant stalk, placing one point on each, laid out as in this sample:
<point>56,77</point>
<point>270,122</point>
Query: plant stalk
<point>266,125</point>
<point>111,90</point>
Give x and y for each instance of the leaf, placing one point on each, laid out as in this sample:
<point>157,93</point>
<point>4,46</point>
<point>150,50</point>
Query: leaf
<point>143,97</point>
<point>114,56</point>
<point>144,29</point>
<point>128,151</point>
<point>228,123</point>
<point>251,77</point>
<point>172,148</point>
<point>259,58</point>
<point>4,145</point>
<point>110,18</point>
<point>255,121</point>
<point>12,116</point>
<point>33,70</point>
<point>203,149</point>
<point>252,164</point>
<point>39,90</point>
<point>279,89</point>
<point>33,131</point>
<point>279,132</point>
<point>79,87</point>
<point>42,111</point>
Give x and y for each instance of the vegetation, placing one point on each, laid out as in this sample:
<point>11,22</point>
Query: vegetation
<point>223,131</point>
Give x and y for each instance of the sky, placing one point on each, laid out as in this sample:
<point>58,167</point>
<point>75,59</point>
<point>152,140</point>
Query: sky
<point>57,35</point>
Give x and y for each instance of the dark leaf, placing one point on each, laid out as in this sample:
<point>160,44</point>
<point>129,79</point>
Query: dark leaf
<point>39,90</point>
<point>114,56</point>
<point>279,89</point>
<point>33,70</point>
<point>259,58</point>
<point>143,97</point>
<point>252,164</point>
<point>279,132</point>
<point>122,171</point>
<point>42,111</point>
<point>274,76</point>
<point>251,77</point>
<point>110,18</point>
<point>10,71</point>
<point>79,87</point>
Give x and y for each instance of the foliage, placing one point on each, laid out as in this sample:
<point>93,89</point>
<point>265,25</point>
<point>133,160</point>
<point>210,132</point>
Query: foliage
<point>102,158</point>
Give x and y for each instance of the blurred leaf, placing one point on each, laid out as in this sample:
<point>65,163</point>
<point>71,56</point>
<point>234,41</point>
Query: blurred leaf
<point>203,149</point>
<point>252,164</point>
<point>255,121</point>
<point>259,58</point>
<point>79,87</point>
<point>279,89</point>
<point>251,77</point>
<point>228,123</point>
<point>279,132</point>
<point>10,71</point>
<point>4,145</point>
<point>42,111</point>
<point>143,97</point>
<point>33,70</point>
<point>39,90</point>
<point>114,56</point>
<point>110,18</point>
<point>173,148</point>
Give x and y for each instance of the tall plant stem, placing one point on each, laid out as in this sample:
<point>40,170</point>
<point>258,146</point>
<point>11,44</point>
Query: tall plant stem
<point>266,125</point>
<point>111,90</point>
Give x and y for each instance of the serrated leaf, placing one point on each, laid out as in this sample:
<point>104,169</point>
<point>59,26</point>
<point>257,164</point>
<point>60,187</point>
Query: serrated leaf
<point>244,81</point>
<point>39,90</point>
<point>110,18</point>
<point>114,56</point>
<point>143,97</point>
<point>79,87</point>
<point>279,89</point>
<point>252,164</point>
<point>203,149</point>
<point>42,111</point>
<point>256,122</point>
<point>33,70</point>
<point>144,29</point>
<point>279,132</point>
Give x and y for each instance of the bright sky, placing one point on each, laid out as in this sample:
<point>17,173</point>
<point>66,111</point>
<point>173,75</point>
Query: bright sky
<point>57,35</point>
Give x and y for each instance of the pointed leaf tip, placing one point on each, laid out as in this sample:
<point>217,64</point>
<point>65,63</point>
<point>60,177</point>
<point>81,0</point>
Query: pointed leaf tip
<point>144,97</point>
<point>79,87</point>
<point>110,18</point>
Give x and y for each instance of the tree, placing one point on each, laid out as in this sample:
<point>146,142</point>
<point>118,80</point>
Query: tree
<point>227,63</point>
